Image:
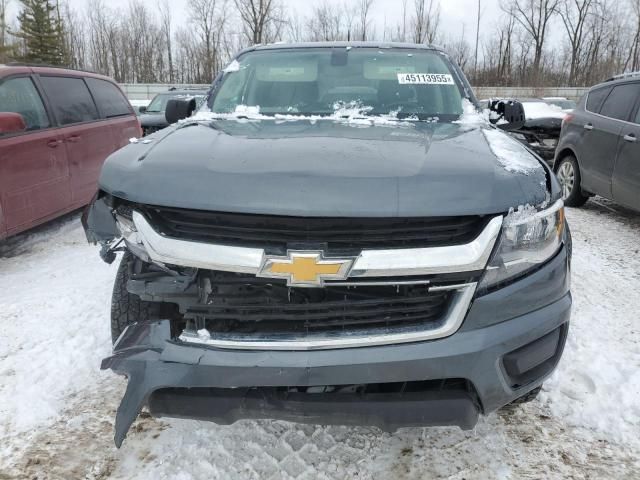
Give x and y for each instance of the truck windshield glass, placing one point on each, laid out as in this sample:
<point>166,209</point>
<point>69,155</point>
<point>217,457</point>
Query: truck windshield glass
<point>159,102</point>
<point>323,81</point>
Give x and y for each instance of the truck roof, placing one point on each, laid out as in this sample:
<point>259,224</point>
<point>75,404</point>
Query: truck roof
<point>343,44</point>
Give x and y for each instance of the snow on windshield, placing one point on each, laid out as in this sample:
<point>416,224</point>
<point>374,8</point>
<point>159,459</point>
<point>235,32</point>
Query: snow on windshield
<point>232,67</point>
<point>351,113</point>
<point>511,154</point>
<point>471,116</point>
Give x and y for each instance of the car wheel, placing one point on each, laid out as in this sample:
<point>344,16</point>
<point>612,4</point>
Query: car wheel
<point>568,174</point>
<point>127,308</point>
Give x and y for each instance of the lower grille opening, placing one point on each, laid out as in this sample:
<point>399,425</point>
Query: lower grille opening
<point>243,304</point>
<point>388,388</point>
<point>386,405</point>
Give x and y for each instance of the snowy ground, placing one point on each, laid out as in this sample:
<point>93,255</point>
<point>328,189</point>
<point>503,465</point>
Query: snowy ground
<point>57,408</point>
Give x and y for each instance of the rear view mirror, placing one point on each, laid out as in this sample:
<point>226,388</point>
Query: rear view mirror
<point>11,123</point>
<point>179,109</point>
<point>507,114</point>
<point>142,109</point>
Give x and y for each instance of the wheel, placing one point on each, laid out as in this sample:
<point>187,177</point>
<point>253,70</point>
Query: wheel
<point>568,174</point>
<point>127,308</point>
<point>527,397</point>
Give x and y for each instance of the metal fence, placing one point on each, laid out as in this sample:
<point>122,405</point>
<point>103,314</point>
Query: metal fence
<point>142,91</point>
<point>146,91</point>
<point>572,93</point>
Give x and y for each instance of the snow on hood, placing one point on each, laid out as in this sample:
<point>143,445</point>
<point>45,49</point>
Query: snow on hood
<point>534,110</point>
<point>511,154</point>
<point>139,103</point>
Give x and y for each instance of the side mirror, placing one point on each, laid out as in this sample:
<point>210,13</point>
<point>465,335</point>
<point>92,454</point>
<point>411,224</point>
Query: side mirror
<point>11,123</point>
<point>178,109</point>
<point>142,109</point>
<point>507,114</point>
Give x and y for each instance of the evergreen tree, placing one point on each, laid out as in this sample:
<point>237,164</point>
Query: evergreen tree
<point>42,32</point>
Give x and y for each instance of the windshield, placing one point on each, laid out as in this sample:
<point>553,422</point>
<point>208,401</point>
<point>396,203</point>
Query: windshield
<point>159,102</point>
<point>320,81</point>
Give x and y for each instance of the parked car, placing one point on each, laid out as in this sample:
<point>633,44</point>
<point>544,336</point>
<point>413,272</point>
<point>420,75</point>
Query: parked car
<point>564,103</point>
<point>337,237</point>
<point>152,117</point>
<point>599,146</point>
<point>57,127</point>
<point>541,129</point>
<point>139,105</point>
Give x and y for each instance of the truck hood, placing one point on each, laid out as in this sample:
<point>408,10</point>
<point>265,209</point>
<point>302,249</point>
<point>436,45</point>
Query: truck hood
<point>329,168</point>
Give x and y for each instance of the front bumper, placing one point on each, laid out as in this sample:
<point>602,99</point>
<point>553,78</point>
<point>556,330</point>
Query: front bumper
<point>517,328</point>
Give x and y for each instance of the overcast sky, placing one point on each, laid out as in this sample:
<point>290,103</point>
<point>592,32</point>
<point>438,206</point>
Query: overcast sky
<point>456,15</point>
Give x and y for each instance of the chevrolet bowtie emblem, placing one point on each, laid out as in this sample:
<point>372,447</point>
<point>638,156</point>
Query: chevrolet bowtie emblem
<point>305,268</point>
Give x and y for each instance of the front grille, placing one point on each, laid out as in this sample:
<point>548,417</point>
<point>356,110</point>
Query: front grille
<point>331,234</point>
<point>242,304</point>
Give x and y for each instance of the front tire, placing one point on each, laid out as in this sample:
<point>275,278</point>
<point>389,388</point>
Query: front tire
<point>127,308</point>
<point>568,173</point>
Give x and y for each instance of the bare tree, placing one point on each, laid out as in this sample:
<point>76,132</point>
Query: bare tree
<point>595,39</point>
<point>574,14</point>
<point>262,20</point>
<point>498,56</point>
<point>634,61</point>
<point>459,49</point>
<point>364,11</point>
<point>165,20</point>
<point>209,18</point>
<point>329,24</point>
<point>534,17</point>
<point>403,37</point>
<point>3,29</point>
<point>426,21</point>
<point>74,38</point>
<point>295,28</point>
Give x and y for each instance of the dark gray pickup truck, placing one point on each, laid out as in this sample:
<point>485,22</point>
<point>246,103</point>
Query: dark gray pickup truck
<point>337,236</point>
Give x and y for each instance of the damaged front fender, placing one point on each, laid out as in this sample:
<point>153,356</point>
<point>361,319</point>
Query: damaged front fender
<point>98,220</point>
<point>100,226</point>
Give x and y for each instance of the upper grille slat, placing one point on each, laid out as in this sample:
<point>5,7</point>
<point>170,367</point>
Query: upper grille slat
<point>272,231</point>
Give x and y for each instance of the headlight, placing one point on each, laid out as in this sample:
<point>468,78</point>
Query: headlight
<point>132,239</point>
<point>529,238</point>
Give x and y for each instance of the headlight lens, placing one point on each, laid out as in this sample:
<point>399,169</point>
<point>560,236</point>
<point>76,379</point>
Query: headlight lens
<point>132,239</point>
<point>529,238</point>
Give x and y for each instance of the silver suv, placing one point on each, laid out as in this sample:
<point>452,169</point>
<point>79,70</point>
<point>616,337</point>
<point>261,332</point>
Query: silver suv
<point>599,152</point>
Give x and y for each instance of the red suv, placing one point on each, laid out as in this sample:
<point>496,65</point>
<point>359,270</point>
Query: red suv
<point>57,127</point>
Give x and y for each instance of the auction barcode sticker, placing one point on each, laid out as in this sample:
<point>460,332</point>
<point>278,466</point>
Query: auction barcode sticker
<point>425,78</point>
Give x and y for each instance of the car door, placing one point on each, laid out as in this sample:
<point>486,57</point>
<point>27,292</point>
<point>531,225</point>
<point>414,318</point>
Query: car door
<point>115,108</point>
<point>599,141</point>
<point>626,178</point>
<point>88,139</point>
<point>3,227</point>
<point>34,170</point>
